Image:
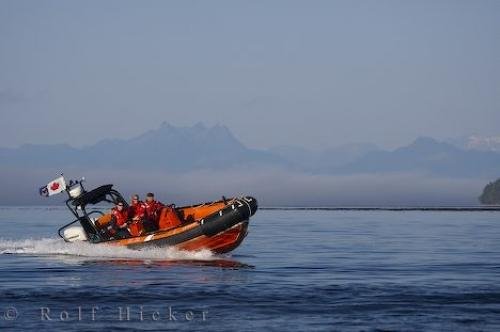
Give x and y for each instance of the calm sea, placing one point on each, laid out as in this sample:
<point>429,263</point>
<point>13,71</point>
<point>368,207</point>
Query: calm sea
<point>296,270</point>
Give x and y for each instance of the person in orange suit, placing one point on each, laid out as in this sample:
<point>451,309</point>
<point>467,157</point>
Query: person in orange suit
<point>119,223</point>
<point>153,209</point>
<point>137,209</point>
<point>137,212</point>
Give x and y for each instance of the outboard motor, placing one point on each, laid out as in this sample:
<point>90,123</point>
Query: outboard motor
<point>74,233</point>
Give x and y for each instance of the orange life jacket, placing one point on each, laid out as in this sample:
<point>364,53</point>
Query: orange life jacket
<point>153,209</point>
<point>136,228</point>
<point>120,217</point>
<point>137,210</point>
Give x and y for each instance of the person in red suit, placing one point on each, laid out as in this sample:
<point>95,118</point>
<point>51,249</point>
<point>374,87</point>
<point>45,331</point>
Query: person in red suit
<point>119,223</point>
<point>153,209</point>
<point>137,209</point>
<point>137,212</point>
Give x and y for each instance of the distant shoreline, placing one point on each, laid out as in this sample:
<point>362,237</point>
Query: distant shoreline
<point>389,208</point>
<point>322,208</point>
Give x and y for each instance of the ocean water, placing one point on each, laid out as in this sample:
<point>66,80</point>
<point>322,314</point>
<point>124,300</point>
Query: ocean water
<point>296,270</point>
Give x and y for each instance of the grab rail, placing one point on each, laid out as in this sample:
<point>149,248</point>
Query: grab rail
<point>63,227</point>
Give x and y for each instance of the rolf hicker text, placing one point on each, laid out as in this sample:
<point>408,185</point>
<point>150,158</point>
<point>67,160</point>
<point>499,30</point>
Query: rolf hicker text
<point>122,313</point>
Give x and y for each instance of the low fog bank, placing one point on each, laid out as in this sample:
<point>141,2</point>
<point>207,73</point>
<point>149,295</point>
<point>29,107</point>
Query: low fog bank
<point>270,186</point>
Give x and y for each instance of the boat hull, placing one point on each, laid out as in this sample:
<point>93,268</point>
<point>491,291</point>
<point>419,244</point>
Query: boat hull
<point>217,226</point>
<point>221,243</point>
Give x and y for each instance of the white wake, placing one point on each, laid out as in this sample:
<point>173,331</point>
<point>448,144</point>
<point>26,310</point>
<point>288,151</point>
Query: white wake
<point>52,246</point>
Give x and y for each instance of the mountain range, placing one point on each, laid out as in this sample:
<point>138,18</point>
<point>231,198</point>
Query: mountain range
<point>183,149</point>
<point>477,142</point>
<point>166,148</point>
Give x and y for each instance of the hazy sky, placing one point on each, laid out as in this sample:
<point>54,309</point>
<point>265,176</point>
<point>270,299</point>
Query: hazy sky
<point>307,73</point>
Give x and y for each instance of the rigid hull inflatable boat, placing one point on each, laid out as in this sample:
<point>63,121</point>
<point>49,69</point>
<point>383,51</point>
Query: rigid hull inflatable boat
<point>219,226</point>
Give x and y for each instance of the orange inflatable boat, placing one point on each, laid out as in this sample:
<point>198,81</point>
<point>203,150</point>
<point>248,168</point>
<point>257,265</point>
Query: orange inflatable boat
<point>219,226</point>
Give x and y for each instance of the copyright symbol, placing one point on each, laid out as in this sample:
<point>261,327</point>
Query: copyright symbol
<point>10,314</point>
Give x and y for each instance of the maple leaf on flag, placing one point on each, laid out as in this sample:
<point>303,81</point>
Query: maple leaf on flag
<point>54,187</point>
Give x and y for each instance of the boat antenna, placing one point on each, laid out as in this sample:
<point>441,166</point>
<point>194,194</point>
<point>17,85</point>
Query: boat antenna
<point>81,182</point>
